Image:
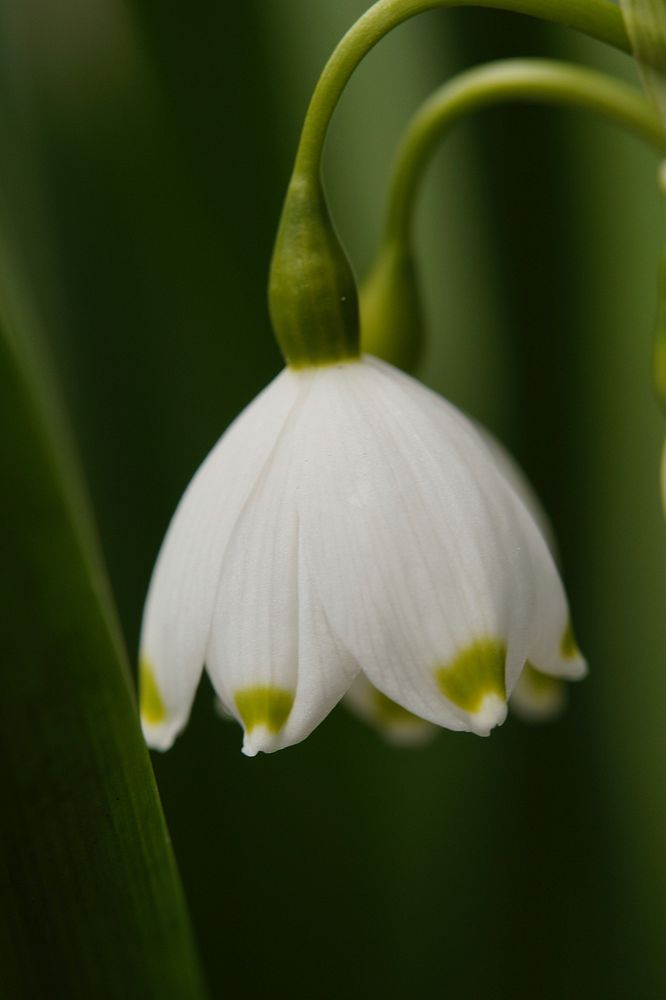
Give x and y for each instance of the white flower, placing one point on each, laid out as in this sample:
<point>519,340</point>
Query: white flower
<point>349,520</point>
<point>536,697</point>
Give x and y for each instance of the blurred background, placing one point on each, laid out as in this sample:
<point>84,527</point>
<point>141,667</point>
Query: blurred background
<point>145,152</point>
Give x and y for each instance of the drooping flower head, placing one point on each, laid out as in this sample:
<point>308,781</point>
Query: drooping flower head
<point>350,522</point>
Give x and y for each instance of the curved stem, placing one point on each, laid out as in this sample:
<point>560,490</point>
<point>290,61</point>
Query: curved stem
<point>598,18</point>
<point>533,80</point>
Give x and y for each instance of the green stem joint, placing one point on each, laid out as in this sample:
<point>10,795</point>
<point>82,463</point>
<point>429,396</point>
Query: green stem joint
<point>312,292</point>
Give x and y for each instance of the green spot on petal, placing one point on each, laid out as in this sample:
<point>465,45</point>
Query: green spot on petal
<point>388,712</point>
<point>475,673</point>
<point>264,706</point>
<point>568,645</point>
<point>152,707</point>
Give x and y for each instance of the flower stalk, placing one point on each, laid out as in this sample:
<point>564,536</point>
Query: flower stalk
<point>392,316</point>
<point>541,81</point>
<point>596,18</point>
<point>312,291</point>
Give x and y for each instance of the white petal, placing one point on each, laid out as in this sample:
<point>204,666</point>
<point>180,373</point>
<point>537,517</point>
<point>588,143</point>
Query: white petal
<point>180,600</point>
<point>535,696</point>
<point>520,483</point>
<point>403,533</point>
<point>553,644</point>
<point>552,648</point>
<point>426,556</point>
<point>326,668</point>
<point>395,723</point>
<point>273,660</point>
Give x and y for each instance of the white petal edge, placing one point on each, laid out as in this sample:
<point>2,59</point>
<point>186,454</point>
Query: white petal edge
<point>551,647</point>
<point>513,473</point>
<point>179,605</point>
<point>420,560</point>
<point>275,663</point>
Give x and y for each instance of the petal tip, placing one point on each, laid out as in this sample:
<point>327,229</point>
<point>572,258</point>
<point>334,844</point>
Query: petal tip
<point>156,740</point>
<point>491,713</point>
<point>578,669</point>
<point>259,739</point>
<point>568,646</point>
<point>160,727</point>
<point>161,737</point>
<point>153,709</point>
<point>474,682</point>
<point>263,711</point>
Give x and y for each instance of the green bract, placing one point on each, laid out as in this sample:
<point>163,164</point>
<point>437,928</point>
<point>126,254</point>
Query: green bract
<point>312,292</point>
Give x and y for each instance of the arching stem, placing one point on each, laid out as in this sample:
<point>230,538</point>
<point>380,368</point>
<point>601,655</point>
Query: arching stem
<point>532,80</point>
<point>597,18</point>
<point>312,293</point>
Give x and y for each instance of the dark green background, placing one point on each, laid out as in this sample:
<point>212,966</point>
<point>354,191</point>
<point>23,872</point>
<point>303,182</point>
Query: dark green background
<point>145,151</point>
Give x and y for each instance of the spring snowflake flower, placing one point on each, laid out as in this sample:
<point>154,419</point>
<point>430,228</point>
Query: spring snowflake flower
<point>349,522</point>
<point>536,697</point>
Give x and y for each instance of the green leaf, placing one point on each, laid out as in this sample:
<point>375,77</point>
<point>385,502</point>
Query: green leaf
<point>90,898</point>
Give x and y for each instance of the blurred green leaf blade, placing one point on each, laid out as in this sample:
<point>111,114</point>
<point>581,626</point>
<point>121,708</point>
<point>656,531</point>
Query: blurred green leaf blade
<point>91,902</point>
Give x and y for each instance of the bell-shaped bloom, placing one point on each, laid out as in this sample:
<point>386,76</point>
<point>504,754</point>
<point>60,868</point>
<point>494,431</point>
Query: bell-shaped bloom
<point>349,521</point>
<point>536,697</point>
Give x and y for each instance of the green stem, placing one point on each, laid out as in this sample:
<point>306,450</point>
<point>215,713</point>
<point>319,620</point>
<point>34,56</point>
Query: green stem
<point>598,18</point>
<point>534,80</point>
<point>312,291</point>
